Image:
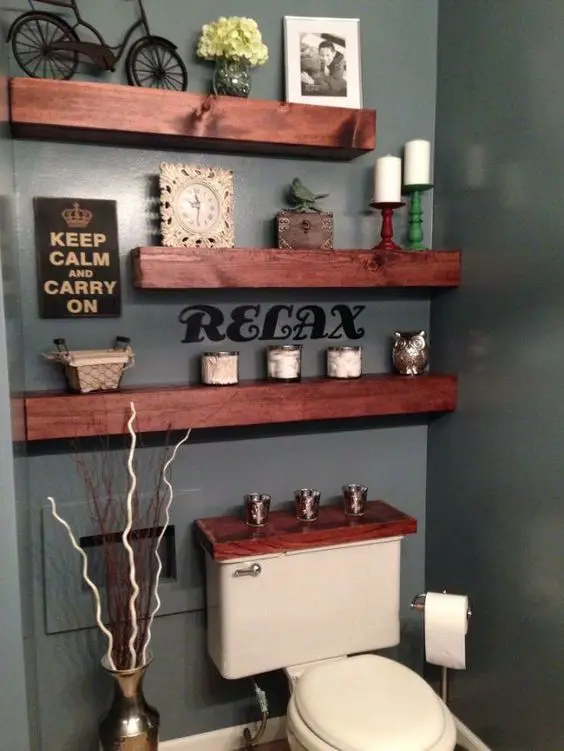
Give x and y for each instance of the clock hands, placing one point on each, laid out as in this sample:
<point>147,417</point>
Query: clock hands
<point>197,205</point>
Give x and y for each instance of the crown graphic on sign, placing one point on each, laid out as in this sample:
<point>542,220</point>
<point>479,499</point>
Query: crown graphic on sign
<point>77,217</point>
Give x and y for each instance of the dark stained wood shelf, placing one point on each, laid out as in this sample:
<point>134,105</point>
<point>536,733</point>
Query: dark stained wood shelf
<point>227,537</point>
<point>195,268</point>
<point>159,408</point>
<point>129,115</point>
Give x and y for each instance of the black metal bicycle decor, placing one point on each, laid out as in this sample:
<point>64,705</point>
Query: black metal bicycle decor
<point>47,46</point>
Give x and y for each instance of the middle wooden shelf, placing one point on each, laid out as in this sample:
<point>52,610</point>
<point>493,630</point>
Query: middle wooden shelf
<point>204,268</point>
<point>56,415</point>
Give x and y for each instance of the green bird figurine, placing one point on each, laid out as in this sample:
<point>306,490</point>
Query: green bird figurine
<point>302,199</point>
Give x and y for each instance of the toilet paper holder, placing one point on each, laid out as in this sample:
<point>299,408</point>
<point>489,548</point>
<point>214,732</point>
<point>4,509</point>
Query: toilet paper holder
<point>418,603</point>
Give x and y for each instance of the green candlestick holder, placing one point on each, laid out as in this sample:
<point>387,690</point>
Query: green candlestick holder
<point>415,216</point>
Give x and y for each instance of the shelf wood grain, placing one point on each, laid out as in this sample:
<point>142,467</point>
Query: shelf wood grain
<point>195,268</point>
<point>58,415</point>
<point>228,537</point>
<point>130,115</point>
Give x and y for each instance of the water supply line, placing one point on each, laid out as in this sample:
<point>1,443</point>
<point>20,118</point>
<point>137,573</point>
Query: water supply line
<point>249,739</point>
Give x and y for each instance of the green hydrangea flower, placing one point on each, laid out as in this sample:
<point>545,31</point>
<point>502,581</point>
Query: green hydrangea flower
<point>233,38</point>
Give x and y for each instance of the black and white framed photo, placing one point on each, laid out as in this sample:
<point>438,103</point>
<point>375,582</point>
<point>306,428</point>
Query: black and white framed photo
<point>323,61</point>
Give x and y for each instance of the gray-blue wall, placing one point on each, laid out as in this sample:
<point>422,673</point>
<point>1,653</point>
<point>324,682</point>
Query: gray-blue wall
<point>399,63</point>
<point>495,507</point>
<point>15,600</point>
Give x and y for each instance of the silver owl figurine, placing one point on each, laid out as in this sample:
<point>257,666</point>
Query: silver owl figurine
<point>410,353</point>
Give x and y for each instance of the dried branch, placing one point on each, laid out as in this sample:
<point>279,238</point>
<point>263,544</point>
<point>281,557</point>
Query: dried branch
<point>125,539</point>
<point>161,535</point>
<point>88,581</point>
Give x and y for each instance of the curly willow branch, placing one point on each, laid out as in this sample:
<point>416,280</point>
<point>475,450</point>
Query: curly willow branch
<point>159,540</point>
<point>127,544</point>
<point>88,581</point>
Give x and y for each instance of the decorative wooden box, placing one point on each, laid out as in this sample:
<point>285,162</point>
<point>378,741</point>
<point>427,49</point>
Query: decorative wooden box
<point>305,230</point>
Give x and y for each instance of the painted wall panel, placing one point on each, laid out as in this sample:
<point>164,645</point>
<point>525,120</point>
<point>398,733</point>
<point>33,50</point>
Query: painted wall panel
<point>495,468</point>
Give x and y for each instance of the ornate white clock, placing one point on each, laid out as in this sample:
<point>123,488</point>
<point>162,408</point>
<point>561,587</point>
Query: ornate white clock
<point>196,206</point>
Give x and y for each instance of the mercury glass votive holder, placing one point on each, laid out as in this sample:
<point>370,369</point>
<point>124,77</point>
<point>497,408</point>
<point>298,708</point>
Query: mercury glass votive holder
<point>307,504</point>
<point>257,509</point>
<point>354,497</point>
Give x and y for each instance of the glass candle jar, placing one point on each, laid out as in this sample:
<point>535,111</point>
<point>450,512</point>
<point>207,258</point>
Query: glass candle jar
<point>220,368</point>
<point>344,362</point>
<point>284,362</point>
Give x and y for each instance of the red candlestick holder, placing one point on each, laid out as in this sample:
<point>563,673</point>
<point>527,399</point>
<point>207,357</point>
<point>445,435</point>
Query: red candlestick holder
<point>387,230</point>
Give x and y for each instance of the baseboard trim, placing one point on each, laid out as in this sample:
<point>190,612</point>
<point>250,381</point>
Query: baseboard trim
<point>226,739</point>
<point>467,739</point>
<point>229,739</point>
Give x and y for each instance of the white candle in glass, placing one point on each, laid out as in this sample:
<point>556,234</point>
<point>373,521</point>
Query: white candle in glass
<point>417,163</point>
<point>387,180</point>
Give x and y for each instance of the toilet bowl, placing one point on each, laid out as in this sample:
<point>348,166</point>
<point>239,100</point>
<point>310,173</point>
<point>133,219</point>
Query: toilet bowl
<point>366,703</point>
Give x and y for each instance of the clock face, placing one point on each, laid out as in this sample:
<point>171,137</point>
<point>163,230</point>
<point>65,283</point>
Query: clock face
<point>198,207</point>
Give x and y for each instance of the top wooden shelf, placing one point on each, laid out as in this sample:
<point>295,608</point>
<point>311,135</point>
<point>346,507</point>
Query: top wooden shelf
<point>129,115</point>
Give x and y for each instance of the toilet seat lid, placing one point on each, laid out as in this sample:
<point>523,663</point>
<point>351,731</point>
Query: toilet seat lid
<point>370,703</point>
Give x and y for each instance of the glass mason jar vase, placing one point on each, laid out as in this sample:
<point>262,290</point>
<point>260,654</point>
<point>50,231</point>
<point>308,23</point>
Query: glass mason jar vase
<point>232,78</point>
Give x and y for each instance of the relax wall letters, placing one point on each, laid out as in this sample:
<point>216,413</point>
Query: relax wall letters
<point>270,323</point>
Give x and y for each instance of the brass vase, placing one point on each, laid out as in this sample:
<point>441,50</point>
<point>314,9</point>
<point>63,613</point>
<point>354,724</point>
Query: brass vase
<point>130,724</point>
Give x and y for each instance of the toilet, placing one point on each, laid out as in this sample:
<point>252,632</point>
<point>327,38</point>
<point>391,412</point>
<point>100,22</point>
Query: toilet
<point>318,614</point>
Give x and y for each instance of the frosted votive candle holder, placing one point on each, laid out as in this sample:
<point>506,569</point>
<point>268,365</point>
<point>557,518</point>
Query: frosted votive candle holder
<point>344,362</point>
<point>220,368</point>
<point>284,362</point>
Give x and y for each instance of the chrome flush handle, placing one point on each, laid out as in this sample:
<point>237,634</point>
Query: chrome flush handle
<point>253,570</point>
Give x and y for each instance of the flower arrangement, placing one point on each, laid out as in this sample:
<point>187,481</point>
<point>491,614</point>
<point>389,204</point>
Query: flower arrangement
<point>233,38</point>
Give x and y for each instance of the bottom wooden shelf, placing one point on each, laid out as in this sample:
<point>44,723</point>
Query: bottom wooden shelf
<point>159,408</point>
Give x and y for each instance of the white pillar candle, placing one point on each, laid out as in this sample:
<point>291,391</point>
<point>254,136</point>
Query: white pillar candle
<point>387,180</point>
<point>417,163</point>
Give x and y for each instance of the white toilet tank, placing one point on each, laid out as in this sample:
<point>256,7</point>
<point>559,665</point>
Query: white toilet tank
<point>302,606</point>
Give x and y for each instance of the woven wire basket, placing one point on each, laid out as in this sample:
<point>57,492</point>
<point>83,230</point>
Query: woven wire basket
<point>94,369</point>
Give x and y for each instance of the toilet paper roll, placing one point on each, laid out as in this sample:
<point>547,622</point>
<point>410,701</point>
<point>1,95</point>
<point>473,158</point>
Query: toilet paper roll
<point>446,624</point>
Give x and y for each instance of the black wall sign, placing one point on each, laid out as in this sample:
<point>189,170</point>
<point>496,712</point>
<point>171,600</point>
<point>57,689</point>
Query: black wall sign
<point>78,257</point>
<point>273,323</point>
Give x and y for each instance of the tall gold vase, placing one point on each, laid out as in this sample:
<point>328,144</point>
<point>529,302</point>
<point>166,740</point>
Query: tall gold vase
<point>130,724</point>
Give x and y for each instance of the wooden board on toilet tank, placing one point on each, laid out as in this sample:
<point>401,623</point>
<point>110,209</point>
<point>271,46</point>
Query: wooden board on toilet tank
<point>227,537</point>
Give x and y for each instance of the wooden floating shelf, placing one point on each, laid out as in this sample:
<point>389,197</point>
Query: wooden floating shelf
<point>228,537</point>
<point>195,268</point>
<point>129,115</point>
<point>159,408</point>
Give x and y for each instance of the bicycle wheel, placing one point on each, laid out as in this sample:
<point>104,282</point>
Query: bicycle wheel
<point>155,64</point>
<point>33,39</point>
